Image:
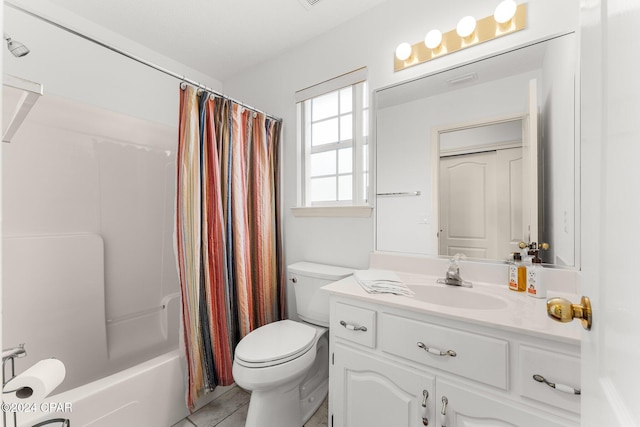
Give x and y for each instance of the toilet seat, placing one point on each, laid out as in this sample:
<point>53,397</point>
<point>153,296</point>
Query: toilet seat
<point>274,344</point>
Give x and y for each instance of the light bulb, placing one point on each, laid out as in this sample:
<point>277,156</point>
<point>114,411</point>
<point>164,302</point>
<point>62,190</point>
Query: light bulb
<point>466,26</point>
<point>433,39</point>
<point>505,11</point>
<point>403,51</point>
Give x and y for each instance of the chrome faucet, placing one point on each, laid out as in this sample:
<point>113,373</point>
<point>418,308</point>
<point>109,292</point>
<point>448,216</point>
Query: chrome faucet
<point>452,277</point>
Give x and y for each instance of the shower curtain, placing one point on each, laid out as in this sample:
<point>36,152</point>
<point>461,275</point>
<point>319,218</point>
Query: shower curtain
<point>228,232</point>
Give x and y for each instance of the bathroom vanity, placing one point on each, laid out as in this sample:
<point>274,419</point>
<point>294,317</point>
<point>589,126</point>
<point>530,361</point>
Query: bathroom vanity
<point>449,356</point>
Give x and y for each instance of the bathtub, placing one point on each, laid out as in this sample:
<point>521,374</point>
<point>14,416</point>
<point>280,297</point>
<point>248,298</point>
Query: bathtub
<point>150,394</point>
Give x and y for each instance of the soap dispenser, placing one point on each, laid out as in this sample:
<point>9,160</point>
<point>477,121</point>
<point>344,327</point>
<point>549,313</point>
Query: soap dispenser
<point>536,286</point>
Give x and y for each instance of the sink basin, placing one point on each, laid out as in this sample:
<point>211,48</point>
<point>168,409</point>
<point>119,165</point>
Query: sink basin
<point>457,297</point>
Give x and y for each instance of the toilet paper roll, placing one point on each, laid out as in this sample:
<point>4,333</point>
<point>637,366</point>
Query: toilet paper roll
<point>36,383</point>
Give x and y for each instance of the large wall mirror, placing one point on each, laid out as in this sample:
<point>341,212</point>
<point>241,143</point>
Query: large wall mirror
<point>480,157</point>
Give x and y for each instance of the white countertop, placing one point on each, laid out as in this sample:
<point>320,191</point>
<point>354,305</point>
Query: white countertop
<point>521,313</point>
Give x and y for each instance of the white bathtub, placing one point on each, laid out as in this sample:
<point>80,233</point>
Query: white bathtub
<point>151,394</point>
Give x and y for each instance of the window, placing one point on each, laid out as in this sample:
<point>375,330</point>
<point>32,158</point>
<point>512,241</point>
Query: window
<point>333,129</point>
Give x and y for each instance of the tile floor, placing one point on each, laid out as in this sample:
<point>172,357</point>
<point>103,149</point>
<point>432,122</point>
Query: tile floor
<point>230,410</point>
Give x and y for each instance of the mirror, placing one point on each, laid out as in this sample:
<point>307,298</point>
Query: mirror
<point>479,157</point>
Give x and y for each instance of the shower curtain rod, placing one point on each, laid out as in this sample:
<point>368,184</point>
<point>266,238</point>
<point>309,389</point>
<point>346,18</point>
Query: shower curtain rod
<point>138,59</point>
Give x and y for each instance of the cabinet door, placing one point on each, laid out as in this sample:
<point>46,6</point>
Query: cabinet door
<point>367,391</point>
<point>467,408</point>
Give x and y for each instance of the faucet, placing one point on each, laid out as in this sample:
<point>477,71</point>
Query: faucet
<point>452,277</point>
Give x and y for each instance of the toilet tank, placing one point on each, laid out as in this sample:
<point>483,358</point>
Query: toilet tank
<point>307,278</point>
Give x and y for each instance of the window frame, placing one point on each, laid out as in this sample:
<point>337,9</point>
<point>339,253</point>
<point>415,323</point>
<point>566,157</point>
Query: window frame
<point>360,172</point>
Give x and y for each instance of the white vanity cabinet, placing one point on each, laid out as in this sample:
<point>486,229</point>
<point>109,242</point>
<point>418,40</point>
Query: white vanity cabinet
<point>375,392</point>
<point>395,367</point>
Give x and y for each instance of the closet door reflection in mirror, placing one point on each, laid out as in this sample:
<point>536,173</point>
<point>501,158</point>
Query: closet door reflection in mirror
<point>480,189</point>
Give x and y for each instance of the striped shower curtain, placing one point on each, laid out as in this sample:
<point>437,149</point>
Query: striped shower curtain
<point>228,232</point>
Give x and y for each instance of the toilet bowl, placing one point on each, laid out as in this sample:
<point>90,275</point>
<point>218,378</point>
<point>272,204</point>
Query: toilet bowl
<point>285,364</point>
<point>276,378</point>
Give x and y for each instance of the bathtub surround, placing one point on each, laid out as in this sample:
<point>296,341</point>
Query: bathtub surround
<point>228,243</point>
<point>84,253</point>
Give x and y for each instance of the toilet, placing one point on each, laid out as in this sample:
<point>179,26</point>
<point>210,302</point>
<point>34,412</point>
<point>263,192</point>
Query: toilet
<point>285,364</point>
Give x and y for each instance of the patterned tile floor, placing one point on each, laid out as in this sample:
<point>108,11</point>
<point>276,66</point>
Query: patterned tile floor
<point>230,410</point>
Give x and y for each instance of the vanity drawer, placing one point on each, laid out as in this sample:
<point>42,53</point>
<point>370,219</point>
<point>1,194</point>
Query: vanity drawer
<point>556,368</point>
<point>355,324</point>
<point>477,357</point>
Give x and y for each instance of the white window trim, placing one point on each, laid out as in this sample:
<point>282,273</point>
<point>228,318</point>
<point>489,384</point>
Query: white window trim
<point>363,211</point>
<point>358,206</point>
<point>344,80</point>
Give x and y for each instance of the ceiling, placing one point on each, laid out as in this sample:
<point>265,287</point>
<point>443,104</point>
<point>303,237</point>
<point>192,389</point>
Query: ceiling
<point>220,38</point>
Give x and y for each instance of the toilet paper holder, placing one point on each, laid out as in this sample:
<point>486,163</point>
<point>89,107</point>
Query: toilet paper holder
<point>9,355</point>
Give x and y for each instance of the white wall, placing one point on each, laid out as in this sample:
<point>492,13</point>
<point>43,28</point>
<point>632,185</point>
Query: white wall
<point>369,40</point>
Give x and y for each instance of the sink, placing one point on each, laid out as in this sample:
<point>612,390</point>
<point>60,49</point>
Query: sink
<point>457,297</point>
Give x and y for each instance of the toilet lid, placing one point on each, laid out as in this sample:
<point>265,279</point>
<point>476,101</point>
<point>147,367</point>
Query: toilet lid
<point>275,341</point>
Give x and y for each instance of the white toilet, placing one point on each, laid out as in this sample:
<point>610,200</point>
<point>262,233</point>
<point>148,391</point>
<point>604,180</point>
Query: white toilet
<point>285,364</point>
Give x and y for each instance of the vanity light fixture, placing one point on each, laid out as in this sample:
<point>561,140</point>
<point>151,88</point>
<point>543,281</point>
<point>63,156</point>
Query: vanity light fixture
<point>508,18</point>
<point>403,51</point>
<point>505,12</point>
<point>433,39</point>
<point>466,27</point>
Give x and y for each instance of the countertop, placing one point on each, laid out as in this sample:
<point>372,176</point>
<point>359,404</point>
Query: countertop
<point>520,314</point>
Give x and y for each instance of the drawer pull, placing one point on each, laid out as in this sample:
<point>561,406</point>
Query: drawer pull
<point>352,327</point>
<point>560,387</point>
<point>436,351</point>
<point>443,413</point>
<point>425,414</point>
